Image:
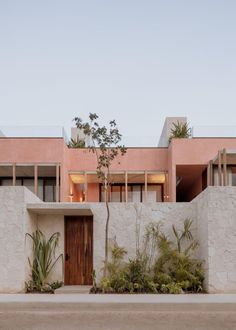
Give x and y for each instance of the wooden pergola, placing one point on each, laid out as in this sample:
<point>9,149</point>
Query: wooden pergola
<point>223,159</point>
<point>125,177</point>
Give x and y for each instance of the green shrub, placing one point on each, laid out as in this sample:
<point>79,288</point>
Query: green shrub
<point>175,263</point>
<point>161,266</point>
<point>43,261</point>
<point>56,285</point>
<point>105,285</point>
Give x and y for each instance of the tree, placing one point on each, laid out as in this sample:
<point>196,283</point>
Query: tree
<point>106,146</point>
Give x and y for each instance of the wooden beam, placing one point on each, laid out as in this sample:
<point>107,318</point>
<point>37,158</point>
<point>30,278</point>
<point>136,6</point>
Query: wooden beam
<point>13,174</point>
<point>126,186</point>
<point>146,182</point>
<point>219,169</point>
<point>165,189</point>
<point>57,182</point>
<point>86,187</point>
<point>211,173</point>
<point>225,181</point>
<point>36,179</point>
<point>208,174</point>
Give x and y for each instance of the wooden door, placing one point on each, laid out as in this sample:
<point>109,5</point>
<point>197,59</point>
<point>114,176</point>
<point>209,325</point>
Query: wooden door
<point>78,250</point>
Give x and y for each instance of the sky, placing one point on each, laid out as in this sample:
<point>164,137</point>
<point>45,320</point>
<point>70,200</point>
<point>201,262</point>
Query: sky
<point>130,60</point>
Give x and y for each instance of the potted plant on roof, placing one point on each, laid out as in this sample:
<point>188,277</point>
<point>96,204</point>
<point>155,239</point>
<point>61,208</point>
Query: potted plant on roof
<point>180,131</point>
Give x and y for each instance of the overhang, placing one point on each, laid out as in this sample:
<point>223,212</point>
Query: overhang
<point>230,157</point>
<point>59,208</point>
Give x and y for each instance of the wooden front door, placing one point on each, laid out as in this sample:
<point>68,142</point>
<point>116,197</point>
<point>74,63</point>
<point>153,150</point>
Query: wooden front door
<point>78,250</point>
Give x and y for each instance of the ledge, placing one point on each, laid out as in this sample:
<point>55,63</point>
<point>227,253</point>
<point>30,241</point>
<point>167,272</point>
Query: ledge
<point>59,208</point>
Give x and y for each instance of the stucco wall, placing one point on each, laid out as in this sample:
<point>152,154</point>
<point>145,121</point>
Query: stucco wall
<point>128,222</point>
<point>216,223</point>
<point>50,224</point>
<point>15,221</point>
<point>213,213</point>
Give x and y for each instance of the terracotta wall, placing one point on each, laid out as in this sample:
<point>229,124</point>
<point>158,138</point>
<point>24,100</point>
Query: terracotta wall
<point>196,151</point>
<point>46,150</point>
<point>135,159</point>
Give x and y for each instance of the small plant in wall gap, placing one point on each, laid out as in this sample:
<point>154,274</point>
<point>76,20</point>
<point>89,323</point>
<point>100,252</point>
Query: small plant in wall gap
<point>43,261</point>
<point>106,146</point>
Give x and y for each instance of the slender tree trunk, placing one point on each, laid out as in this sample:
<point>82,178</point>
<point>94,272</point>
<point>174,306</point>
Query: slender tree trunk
<point>106,238</point>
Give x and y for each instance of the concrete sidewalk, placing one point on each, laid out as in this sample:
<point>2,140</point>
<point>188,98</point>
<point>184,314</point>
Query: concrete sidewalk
<point>120,298</point>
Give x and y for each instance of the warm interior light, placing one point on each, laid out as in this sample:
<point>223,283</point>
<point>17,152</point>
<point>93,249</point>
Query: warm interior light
<point>77,178</point>
<point>156,178</point>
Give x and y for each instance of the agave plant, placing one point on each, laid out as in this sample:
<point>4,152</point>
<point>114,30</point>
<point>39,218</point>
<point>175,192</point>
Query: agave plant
<point>180,131</point>
<point>43,259</point>
<point>76,143</point>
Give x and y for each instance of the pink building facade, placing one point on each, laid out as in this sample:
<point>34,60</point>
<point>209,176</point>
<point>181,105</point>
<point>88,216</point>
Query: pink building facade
<point>178,171</point>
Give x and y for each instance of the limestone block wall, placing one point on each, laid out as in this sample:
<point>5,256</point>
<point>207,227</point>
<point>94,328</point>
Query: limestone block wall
<point>14,223</point>
<point>128,222</point>
<point>127,226</point>
<point>216,222</point>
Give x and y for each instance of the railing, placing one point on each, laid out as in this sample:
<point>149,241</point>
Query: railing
<point>33,132</point>
<point>214,131</point>
<point>140,141</point>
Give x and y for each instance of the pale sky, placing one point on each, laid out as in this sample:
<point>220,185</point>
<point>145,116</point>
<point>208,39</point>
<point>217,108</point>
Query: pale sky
<point>135,61</point>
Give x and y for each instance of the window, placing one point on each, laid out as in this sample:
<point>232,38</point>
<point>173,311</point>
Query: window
<point>136,192</point>
<point>46,187</point>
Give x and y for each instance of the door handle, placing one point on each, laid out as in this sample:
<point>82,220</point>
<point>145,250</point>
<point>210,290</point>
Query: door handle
<point>67,257</point>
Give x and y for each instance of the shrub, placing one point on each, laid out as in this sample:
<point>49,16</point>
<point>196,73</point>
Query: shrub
<point>43,261</point>
<point>161,266</point>
<point>175,265</point>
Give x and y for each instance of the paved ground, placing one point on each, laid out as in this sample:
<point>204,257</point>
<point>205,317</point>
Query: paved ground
<point>42,315</point>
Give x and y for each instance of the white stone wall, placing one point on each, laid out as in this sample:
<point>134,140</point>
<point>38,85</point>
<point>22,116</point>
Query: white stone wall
<point>127,219</point>
<point>216,222</point>
<point>213,213</point>
<point>14,223</point>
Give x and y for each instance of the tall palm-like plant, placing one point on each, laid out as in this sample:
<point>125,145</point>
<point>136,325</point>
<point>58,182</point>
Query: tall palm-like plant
<point>43,259</point>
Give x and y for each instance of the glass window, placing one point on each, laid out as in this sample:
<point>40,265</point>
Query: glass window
<point>40,189</point>
<point>136,194</point>
<point>129,193</point>
<point>29,183</point>
<point>49,190</point>
<point>154,193</point>
<point>115,194</point>
<point>6,182</point>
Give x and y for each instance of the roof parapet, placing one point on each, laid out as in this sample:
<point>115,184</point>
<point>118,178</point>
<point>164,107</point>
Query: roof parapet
<point>166,131</point>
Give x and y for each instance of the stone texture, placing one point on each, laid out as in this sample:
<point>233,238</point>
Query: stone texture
<point>15,221</point>
<point>213,213</point>
<point>216,223</point>
<point>128,222</point>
